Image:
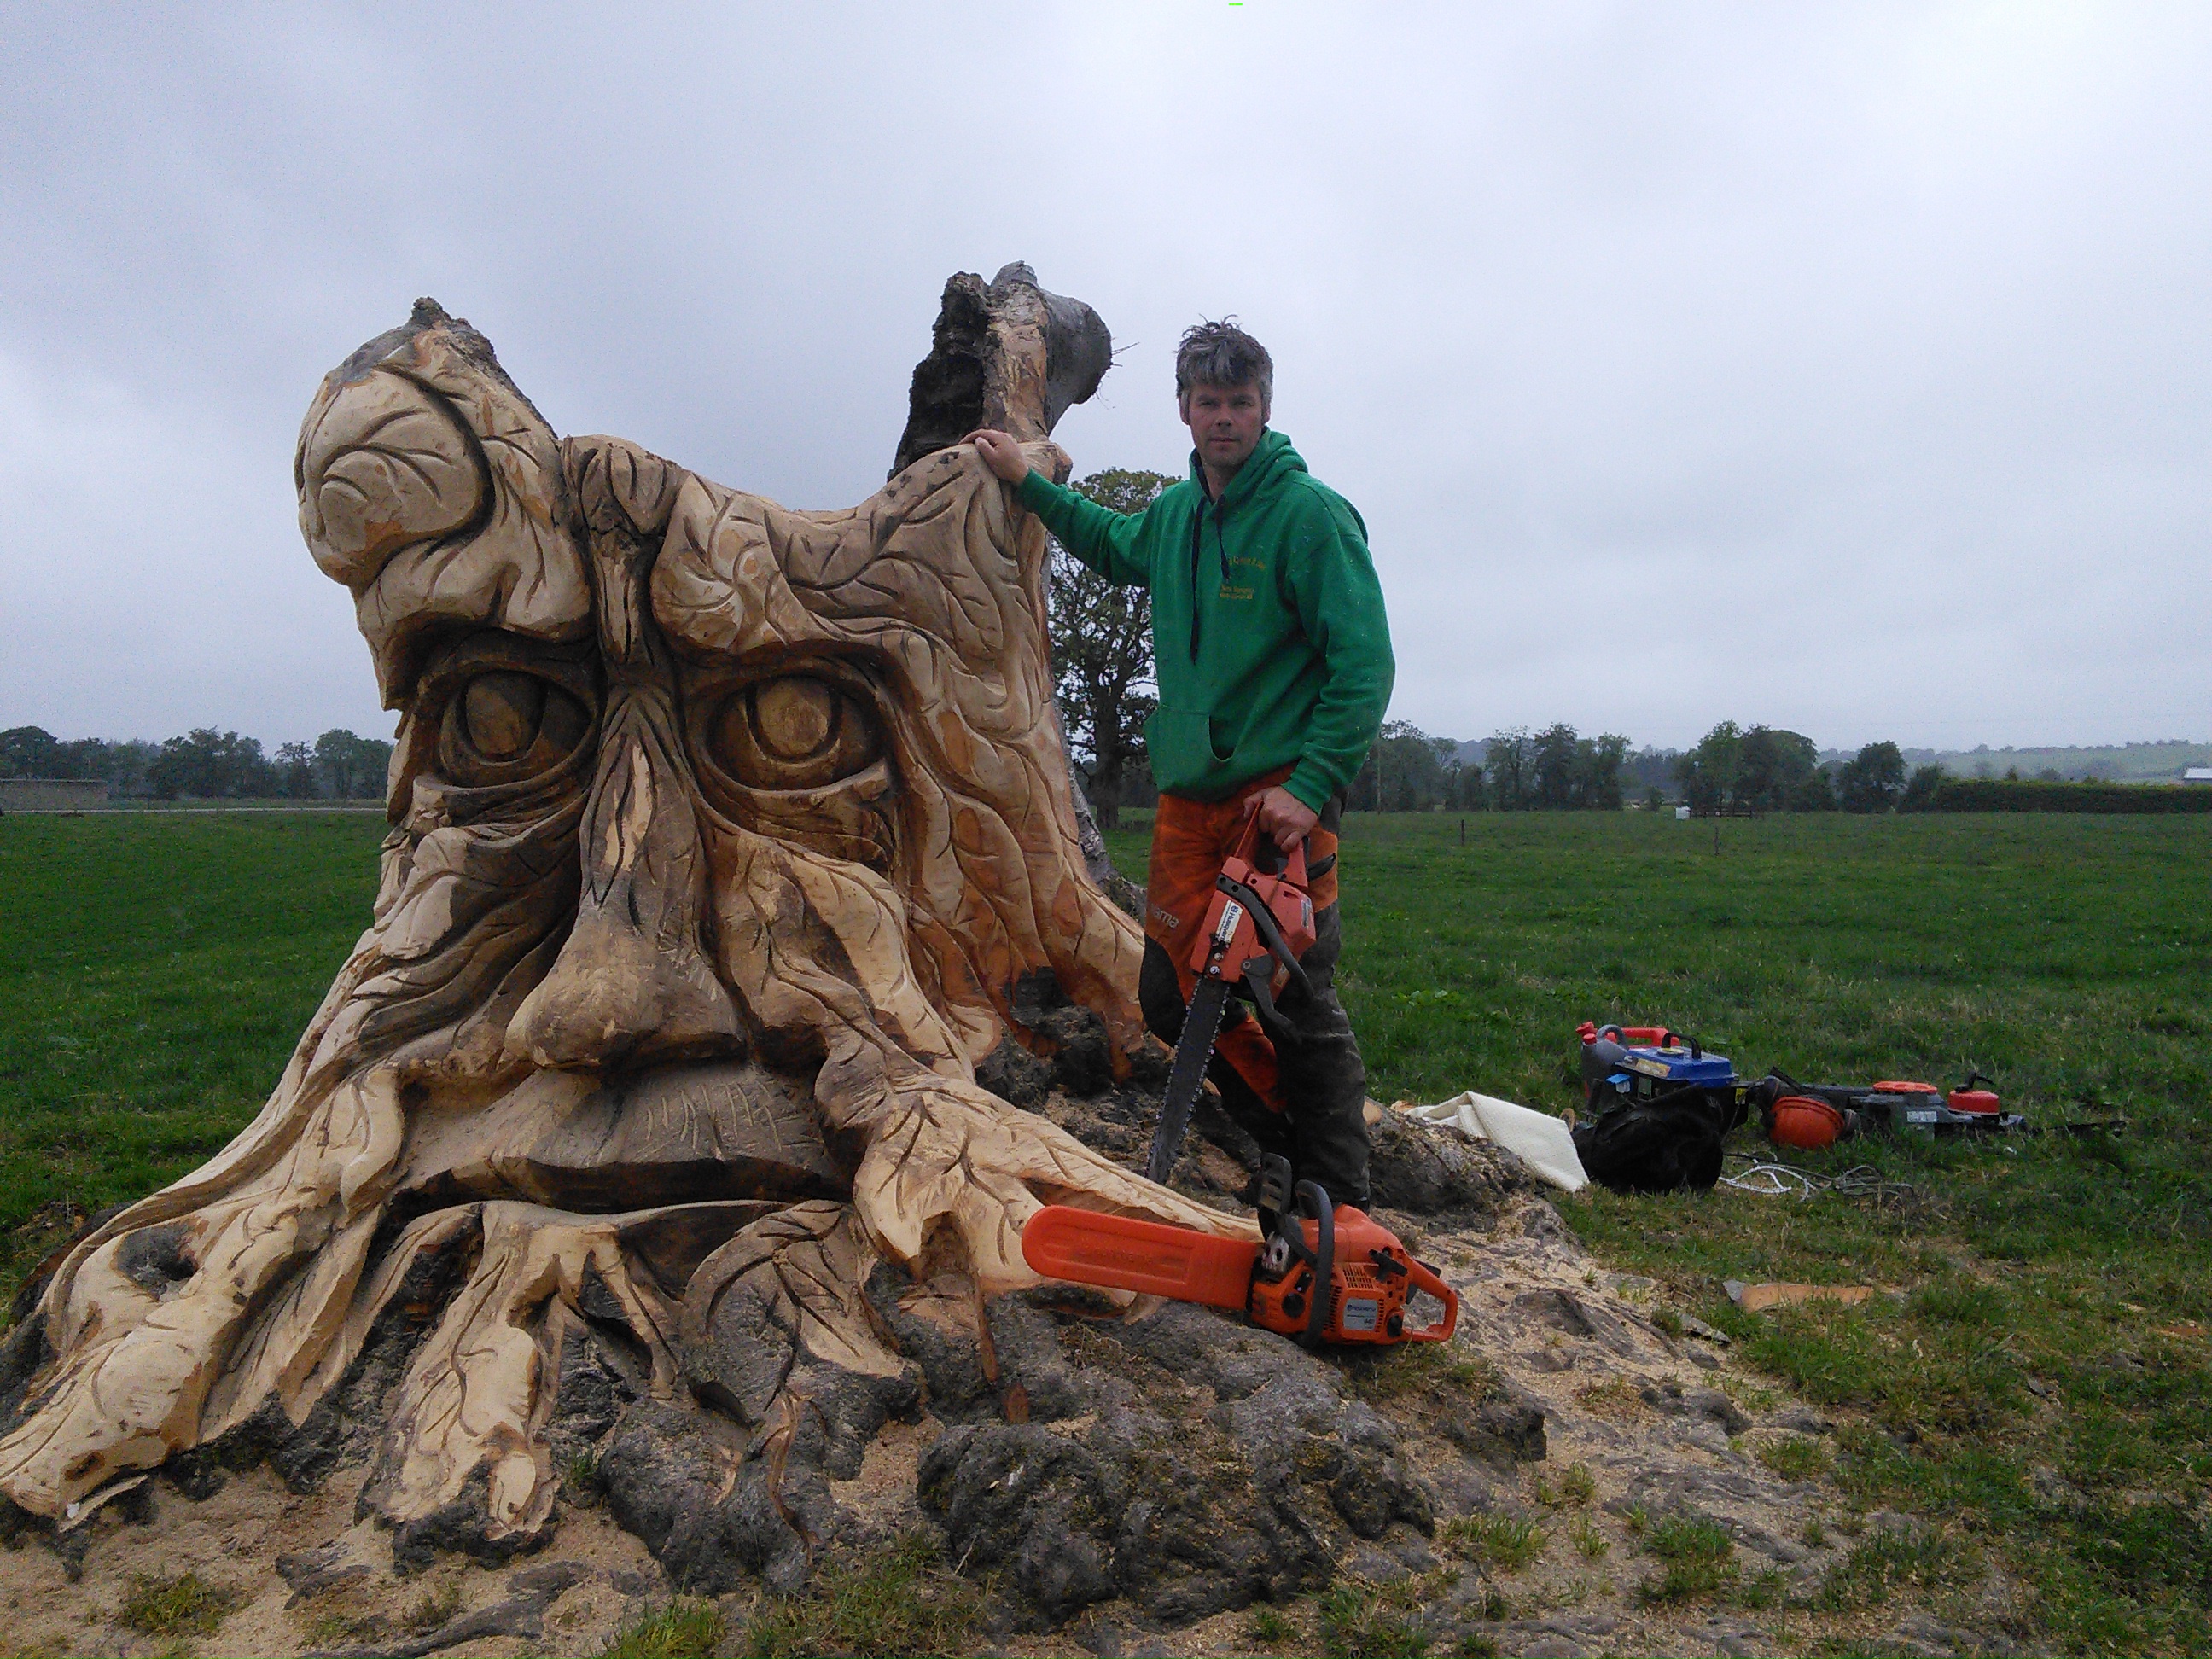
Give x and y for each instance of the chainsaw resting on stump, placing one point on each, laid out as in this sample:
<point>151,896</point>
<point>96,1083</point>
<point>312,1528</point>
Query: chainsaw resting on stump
<point>1326,1273</point>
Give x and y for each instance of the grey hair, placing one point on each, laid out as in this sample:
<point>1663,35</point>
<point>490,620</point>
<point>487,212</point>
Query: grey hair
<point>1223,354</point>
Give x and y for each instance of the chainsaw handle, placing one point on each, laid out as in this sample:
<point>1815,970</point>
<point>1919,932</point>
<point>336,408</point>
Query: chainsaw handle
<point>1312,1198</point>
<point>1270,932</point>
<point>1275,860</point>
<point>1419,1275</point>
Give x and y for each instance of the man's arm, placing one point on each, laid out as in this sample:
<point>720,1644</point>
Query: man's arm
<point>1339,605</point>
<point>1103,539</point>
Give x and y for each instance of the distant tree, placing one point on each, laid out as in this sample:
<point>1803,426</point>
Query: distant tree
<point>1815,794</point>
<point>204,763</point>
<point>1920,789</point>
<point>1102,652</point>
<point>1468,794</point>
<point>1556,780</point>
<point>1599,759</point>
<point>1557,770</point>
<point>83,758</point>
<point>295,770</point>
<point>1758,768</point>
<point>29,751</point>
<point>1708,772</point>
<point>1772,767</point>
<point>1137,788</point>
<point>1872,780</point>
<point>127,765</point>
<point>349,768</point>
<point>1509,769</point>
<point>121,766</point>
<point>1648,768</point>
<point>1653,800</point>
<point>207,764</point>
<point>1406,770</point>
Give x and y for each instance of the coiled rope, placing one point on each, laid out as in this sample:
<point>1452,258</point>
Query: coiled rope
<point>1763,1179</point>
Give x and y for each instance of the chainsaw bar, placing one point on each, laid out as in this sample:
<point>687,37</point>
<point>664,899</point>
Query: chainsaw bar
<point>1200,1027</point>
<point>1124,1253</point>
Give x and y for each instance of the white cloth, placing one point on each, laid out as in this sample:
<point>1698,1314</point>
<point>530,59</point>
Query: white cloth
<point>1540,1140</point>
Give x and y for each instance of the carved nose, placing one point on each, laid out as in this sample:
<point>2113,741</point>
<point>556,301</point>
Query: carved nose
<point>633,984</point>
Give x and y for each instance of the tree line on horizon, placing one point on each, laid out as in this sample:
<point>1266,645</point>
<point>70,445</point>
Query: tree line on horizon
<point>205,764</point>
<point>1755,768</point>
<point>1732,769</point>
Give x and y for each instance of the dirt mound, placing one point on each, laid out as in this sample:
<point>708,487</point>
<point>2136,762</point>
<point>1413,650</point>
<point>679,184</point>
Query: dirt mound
<point>1578,1473</point>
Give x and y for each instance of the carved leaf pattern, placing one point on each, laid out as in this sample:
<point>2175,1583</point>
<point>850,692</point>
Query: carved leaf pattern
<point>431,488</point>
<point>382,467</point>
<point>940,578</point>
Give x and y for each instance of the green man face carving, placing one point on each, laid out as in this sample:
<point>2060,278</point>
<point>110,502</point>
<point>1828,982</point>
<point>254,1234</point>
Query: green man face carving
<point>720,835</point>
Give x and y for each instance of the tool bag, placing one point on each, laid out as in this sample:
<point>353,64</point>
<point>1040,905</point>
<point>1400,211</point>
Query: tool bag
<point>1662,1143</point>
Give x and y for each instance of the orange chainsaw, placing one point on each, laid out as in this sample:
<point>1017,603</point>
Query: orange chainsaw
<point>1260,922</point>
<point>1324,1274</point>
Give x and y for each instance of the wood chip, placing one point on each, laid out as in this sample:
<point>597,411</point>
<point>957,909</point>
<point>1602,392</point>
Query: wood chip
<point>1755,1298</point>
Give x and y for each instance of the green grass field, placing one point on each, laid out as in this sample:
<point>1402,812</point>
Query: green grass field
<point>2040,1388</point>
<point>154,973</point>
<point>2039,1391</point>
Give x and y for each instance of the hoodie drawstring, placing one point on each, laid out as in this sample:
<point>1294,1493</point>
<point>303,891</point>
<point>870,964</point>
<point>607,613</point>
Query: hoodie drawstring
<point>1197,523</point>
<point>1197,547</point>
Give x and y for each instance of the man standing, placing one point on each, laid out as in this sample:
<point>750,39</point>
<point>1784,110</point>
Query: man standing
<point>1273,655</point>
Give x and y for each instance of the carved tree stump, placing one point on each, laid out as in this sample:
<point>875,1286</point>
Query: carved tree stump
<point>721,837</point>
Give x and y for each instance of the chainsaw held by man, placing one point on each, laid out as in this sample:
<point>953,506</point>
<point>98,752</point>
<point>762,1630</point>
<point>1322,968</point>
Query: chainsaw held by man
<point>1261,921</point>
<point>1324,1273</point>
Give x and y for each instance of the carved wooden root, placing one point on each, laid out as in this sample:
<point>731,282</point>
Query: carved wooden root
<point>721,835</point>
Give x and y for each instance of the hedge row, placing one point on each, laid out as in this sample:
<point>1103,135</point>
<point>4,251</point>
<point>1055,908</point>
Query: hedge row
<point>2037,795</point>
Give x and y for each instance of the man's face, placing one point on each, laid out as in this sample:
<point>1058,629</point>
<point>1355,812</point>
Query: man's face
<point>1225,423</point>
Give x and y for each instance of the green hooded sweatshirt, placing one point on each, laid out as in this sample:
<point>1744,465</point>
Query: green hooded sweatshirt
<point>1269,638</point>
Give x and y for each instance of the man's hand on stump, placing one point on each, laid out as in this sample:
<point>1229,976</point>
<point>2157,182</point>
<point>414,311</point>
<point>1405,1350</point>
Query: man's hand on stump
<point>1000,454</point>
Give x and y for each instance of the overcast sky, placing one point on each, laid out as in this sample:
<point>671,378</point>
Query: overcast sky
<point>1845,368</point>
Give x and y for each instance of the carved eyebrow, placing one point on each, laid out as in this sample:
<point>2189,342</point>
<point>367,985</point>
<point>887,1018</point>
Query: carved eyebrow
<point>848,666</point>
<point>461,654</point>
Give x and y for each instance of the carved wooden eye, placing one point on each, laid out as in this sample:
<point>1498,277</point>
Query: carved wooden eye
<point>794,732</point>
<point>506,725</point>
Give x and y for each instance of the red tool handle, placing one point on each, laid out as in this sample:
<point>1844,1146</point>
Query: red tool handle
<point>1248,845</point>
<point>1422,1279</point>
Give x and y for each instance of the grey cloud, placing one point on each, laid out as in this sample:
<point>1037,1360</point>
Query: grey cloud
<point>1681,364</point>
